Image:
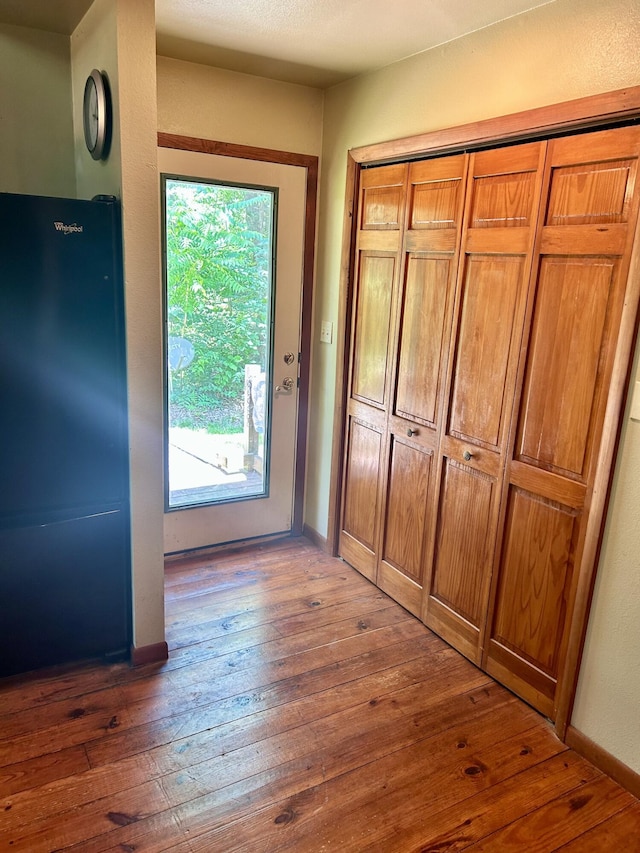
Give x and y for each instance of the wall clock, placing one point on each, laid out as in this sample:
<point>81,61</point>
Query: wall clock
<point>96,115</point>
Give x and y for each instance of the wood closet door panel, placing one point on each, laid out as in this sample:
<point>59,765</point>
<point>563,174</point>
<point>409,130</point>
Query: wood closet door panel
<point>434,221</point>
<point>533,595</point>
<point>592,193</point>
<point>503,200</point>
<point>503,195</point>
<point>372,327</point>
<point>382,198</point>
<point>360,490</point>
<point>422,333</point>
<point>566,355</point>
<point>435,194</point>
<point>492,285</point>
<point>406,497</point>
<point>578,293</point>
<point>405,521</point>
<point>380,221</point>
<point>503,192</point>
<point>464,548</point>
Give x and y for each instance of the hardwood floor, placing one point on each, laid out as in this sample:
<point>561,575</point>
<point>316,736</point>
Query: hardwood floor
<point>300,710</point>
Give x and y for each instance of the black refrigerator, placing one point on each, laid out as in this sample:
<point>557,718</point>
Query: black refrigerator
<point>64,479</point>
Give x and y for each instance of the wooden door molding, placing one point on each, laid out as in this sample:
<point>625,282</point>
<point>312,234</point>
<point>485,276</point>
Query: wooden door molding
<point>310,164</point>
<point>588,113</point>
<point>591,113</point>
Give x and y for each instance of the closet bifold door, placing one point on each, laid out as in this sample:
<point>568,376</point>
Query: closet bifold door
<point>378,246</point>
<point>578,290</point>
<point>502,199</point>
<point>422,330</point>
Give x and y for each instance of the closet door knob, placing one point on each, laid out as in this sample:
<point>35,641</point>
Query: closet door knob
<point>467,455</point>
<point>411,432</point>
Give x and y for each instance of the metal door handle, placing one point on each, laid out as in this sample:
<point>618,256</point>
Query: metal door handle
<point>467,455</point>
<point>287,384</point>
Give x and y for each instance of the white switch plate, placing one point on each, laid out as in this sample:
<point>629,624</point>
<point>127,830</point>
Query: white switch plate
<point>326,332</point>
<point>635,403</point>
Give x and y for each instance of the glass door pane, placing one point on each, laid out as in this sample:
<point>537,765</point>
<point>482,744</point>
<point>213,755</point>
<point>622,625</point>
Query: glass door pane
<point>219,262</point>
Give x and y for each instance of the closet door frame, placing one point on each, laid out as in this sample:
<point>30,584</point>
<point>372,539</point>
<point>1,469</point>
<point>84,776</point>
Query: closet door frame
<point>584,114</point>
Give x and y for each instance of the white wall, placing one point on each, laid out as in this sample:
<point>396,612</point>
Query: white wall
<point>567,49</point>
<point>607,704</point>
<point>36,128</point>
<point>94,44</point>
<point>195,100</point>
<point>118,37</point>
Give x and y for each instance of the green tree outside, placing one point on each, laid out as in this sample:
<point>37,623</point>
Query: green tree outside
<point>219,259</point>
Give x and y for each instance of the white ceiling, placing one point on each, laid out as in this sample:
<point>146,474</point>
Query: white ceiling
<point>314,42</point>
<point>56,16</point>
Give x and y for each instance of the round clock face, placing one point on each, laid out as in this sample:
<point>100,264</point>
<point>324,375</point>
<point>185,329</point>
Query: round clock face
<point>94,114</point>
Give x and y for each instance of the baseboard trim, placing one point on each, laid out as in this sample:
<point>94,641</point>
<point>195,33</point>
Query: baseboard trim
<point>155,653</point>
<point>224,547</point>
<point>603,760</point>
<point>316,539</point>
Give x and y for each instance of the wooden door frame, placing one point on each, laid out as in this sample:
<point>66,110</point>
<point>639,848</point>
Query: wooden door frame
<point>310,164</point>
<point>583,114</point>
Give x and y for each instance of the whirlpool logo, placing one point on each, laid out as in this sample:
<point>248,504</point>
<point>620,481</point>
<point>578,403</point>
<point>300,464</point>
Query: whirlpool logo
<point>74,228</point>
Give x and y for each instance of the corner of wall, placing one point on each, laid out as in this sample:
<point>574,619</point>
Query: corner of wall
<point>118,37</point>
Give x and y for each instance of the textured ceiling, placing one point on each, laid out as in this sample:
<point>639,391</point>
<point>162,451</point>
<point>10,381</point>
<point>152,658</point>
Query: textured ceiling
<point>318,42</point>
<point>55,16</point>
<point>314,42</point>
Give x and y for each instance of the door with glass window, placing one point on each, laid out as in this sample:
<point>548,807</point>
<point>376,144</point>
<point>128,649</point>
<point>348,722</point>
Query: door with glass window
<point>233,249</point>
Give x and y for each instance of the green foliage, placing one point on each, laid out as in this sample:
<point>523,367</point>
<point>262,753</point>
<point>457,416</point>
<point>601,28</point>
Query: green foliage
<point>218,283</point>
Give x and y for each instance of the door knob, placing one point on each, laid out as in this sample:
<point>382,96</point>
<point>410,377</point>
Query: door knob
<point>287,384</point>
<point>411,432</point>
<point>467,455</point>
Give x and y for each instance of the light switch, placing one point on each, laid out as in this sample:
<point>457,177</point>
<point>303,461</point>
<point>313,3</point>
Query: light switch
<point>326,332</point>
<point>635,403</point>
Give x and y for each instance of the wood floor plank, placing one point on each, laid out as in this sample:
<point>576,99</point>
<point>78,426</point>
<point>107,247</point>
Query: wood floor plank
<point>252,689</point>
<point>462,823</point>
<point>340,746</point>
<point>303,711</point>
<point>240,585</point>
<point>295,612</point>
<point>241,642</point>
<point>75,710</point>
<point>309,590</point>
<point>351,810</point>
<point>42,769</point>
<point>555,823</point>
<point>248,562</point>
<point>55,685</point>
<point>85,821</point>
<point>193,756</point>
<point>292,656</point>
<point>436,820</point>
<point>620,832</point>
<point>189,771</point>
<point>327,757</point>
<point>60,725</point>
<point>71,722</point>
<point>282,771</point>
<point>449,674</point>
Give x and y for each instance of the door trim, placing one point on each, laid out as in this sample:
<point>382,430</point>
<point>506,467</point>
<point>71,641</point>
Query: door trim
<point>590,113</point>
<point>310,164</point>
